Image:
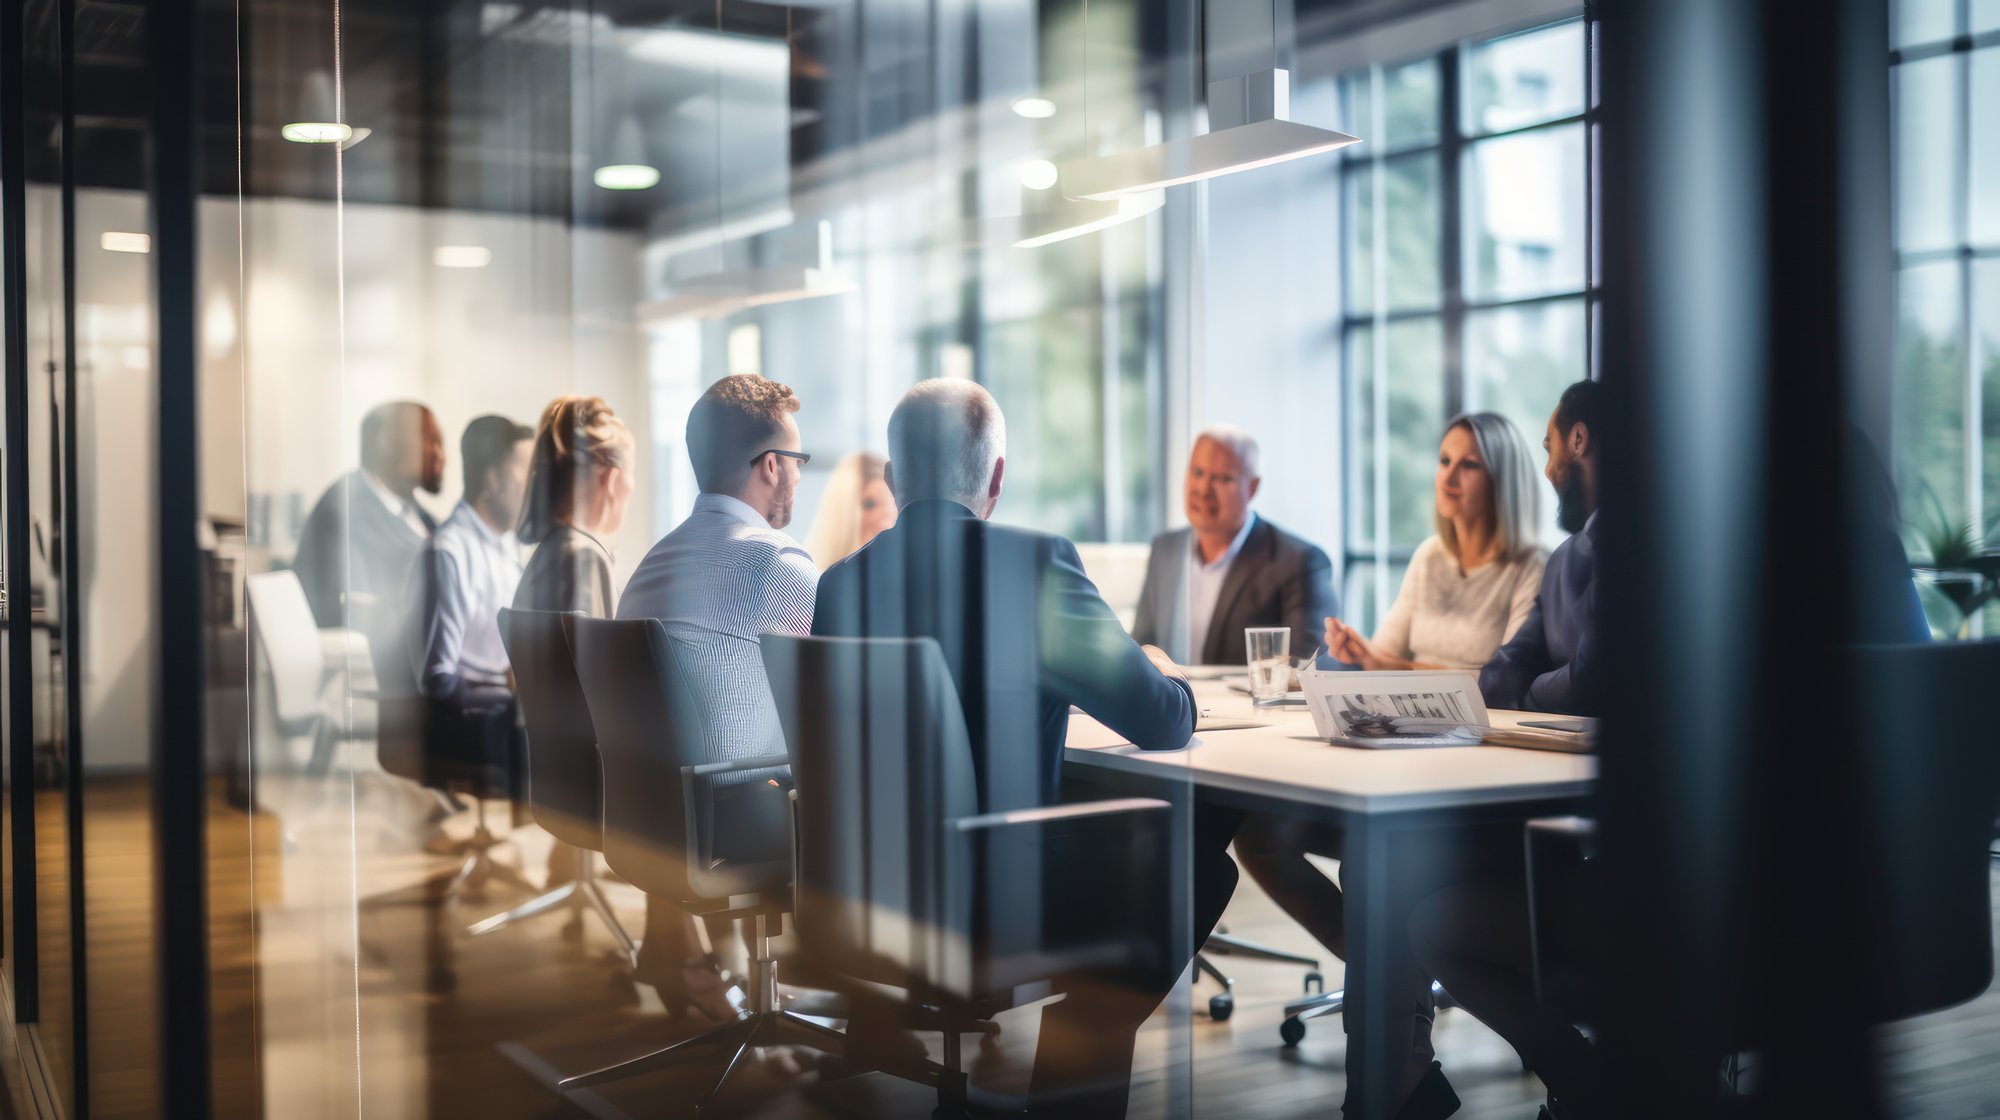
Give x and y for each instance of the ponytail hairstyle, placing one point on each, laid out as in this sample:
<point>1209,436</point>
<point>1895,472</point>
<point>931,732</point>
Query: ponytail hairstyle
<point>576,436</point>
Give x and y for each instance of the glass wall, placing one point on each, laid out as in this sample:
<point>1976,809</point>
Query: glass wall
<point>1945,83</point>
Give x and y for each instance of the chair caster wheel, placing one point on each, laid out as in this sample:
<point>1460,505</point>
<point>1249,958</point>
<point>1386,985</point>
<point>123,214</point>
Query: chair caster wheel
<point>1292,1030</point>
<point>1220,1007</point>
<point>1315,984</point>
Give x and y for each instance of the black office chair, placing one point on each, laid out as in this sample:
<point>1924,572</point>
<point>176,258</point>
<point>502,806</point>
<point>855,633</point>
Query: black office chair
<point>566,784</point>
<point>687,829</point>
<point>1924,891</point>
<point>902,882</point>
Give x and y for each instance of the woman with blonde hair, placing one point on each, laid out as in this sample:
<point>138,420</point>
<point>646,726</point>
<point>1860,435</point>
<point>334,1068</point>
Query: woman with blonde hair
<point>580,481</point>
<point>856,506</point>
<point>1467,589</point>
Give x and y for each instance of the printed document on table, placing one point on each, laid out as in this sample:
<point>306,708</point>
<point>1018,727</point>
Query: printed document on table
<point>1396,709</point>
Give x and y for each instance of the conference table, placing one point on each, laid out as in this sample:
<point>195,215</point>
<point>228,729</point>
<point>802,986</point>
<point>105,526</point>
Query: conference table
<point>1374,795</point>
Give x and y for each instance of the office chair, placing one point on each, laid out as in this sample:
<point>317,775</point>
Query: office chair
<point>1925,885</point>
<point>566,785</point>
<point>305,695</point>
<point>902,883</point>
<point>688,829</point>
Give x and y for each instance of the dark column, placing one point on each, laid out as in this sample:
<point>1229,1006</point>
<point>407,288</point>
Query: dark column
<point>1741,152</point>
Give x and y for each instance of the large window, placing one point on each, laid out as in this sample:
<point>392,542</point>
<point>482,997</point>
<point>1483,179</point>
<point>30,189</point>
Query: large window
<point>1945,85</point>
<point>1470,269</point>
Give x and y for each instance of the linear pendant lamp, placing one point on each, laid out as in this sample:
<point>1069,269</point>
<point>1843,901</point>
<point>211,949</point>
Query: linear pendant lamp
<point>1065,218</point>
<point>1249,112</point>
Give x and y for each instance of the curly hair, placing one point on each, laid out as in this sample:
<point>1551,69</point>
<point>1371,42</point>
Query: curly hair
<point>738,418</point>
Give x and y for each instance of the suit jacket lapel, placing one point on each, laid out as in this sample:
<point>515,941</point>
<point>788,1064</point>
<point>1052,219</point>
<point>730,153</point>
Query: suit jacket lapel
<point>1248,560</point>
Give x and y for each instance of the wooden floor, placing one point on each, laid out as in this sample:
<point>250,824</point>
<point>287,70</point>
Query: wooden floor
<point>387,1008</point>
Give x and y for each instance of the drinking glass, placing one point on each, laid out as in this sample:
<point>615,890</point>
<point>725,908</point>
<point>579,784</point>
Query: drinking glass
<point>1268,649</point>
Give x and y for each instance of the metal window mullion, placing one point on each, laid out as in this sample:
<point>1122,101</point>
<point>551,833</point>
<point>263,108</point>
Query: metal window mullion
<point>1451,231</point>
<point>1378,339</point>
<point>1961,173</point>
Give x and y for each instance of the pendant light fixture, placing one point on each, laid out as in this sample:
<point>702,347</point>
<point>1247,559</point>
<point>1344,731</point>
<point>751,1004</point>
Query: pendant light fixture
<point>1249,113</point>
<point>321,119</point>
<point>1048,217</point>
<point>626,168</point>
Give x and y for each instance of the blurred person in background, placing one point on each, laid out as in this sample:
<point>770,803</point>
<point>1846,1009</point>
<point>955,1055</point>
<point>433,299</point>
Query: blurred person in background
<point>857,505</point>
<point>364,533</point>
<point>580,481</point>
<point>1229,569</point>
<point>469,570</point>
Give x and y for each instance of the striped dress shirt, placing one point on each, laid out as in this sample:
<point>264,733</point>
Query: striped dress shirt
<point>720,580</point>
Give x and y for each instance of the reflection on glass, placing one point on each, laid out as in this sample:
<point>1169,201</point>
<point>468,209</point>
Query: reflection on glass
<point>1524,214</point>
<point>1410,184</point>
<point>1986,356</point>
<point>1524,79</point>
<point>1927,130</point>
<point>1922,21</point>
<point>1930,395</point>
<point>1409,108</point>
<point>1413,385</point>
<point>1518,360</point>
<point>1984,156</point>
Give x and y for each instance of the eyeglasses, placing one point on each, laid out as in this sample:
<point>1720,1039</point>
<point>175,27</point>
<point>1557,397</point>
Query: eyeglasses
<point>801,456</point>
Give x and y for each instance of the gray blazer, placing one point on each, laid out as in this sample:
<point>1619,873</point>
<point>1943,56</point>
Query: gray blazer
<point>1276,580</point>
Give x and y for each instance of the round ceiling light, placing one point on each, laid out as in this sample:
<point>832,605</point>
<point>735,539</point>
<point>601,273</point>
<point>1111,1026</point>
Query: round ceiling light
<point>1035,108</point>
<point>1038,174</point>
<point>316,132</point>
<point>626,177</point>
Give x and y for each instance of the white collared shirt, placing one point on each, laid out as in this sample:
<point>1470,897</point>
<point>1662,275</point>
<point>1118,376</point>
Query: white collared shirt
<point>403,509</point>
<point>1204,586</point>
<point>473,572</point>
<point>720,581</point>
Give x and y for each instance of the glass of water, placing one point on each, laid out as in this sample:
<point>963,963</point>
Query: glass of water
<point>1269,652</point>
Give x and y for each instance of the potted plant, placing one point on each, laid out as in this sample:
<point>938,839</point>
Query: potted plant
<point>1953,562</point>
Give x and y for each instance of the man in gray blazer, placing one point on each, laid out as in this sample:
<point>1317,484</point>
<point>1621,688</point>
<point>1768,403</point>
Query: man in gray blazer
<point>1230,569</point>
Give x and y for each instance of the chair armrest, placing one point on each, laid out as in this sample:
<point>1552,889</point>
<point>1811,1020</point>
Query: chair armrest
<point>737,765</point>
<point>1016,885</point>
<point>1047,814</point>
<point>746,843</point>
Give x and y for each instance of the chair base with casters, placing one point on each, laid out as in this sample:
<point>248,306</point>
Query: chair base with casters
<point>1293,1028</point>
<point>477,867</point>
<point>763,1024</point>
<point>579,896</point>
<point>1223,1004</point>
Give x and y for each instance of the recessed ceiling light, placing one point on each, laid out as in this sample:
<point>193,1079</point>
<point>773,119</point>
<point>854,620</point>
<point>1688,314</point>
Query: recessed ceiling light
<point>316,132</point>
<point>1038,174</point>
<point>461,256</point>
<point>626,176</point>
<point>114,242</point>
<point>1035,108</point>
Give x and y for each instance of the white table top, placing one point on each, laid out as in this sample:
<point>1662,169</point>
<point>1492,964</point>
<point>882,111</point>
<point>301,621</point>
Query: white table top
<point>1286,760</point>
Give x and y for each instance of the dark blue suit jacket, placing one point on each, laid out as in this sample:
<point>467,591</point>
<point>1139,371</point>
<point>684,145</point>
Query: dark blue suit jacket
<point>1550,663</point>
<point>1025,635</point>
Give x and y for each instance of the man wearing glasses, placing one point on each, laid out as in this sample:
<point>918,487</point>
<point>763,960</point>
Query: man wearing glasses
<point>725,576</point>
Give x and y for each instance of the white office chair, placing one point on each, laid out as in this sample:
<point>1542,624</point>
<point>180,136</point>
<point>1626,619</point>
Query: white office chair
<point>307,668</point>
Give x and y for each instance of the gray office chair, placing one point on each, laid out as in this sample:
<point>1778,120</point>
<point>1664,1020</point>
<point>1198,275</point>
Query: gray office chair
<point>566,785</point>
<point>902,883</point>
<point>688,829</point>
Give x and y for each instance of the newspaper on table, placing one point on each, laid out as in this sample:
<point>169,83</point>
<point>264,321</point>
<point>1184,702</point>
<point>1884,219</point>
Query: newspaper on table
<point>1396,709</point>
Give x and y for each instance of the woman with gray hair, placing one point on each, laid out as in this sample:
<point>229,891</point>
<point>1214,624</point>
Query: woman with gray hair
<point>1469,587</point>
